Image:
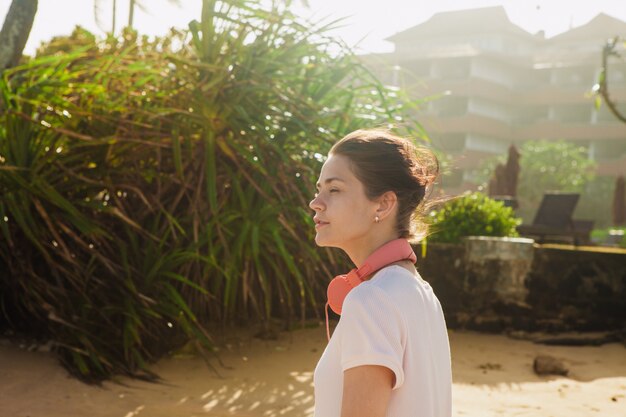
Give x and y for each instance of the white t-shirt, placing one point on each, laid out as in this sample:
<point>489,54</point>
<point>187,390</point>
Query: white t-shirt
<point>393,320</point>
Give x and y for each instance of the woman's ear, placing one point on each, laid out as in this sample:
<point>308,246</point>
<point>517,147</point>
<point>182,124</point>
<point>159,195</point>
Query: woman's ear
<point>386,204</point>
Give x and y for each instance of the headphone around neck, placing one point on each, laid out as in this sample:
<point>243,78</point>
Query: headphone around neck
<point>392,251</point>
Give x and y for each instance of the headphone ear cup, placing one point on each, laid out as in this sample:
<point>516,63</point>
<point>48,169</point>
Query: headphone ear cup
<point>337,291</point>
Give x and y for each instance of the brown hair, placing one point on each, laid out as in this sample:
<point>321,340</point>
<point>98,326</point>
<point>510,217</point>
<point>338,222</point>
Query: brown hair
<point>385,162</point>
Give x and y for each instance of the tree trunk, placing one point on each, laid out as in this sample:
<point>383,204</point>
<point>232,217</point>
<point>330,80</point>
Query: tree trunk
<point>15,31</point>
<point>114,16</point>
<point>131,13</point>
<point>619,202</point>
<point>512,171</point>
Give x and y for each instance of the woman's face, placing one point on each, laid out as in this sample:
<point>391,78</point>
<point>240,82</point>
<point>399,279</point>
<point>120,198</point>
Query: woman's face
<point>343,214</point>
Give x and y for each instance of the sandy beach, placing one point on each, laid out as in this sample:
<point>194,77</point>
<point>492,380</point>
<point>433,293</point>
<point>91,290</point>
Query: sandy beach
<point>493,376</point>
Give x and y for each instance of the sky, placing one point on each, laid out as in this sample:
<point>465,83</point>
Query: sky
<point>366,24</point>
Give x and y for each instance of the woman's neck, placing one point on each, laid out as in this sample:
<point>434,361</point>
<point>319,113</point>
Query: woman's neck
<point>361,252</point>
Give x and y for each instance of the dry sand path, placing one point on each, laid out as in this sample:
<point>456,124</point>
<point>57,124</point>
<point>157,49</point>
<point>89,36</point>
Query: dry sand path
<point>492,377</point>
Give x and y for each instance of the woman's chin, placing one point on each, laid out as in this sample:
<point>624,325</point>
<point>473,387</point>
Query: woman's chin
<point>325,242</point>
<point>321,241</point>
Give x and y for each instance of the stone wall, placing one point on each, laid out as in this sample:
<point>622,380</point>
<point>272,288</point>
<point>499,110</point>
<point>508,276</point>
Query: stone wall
<point>495,284</point>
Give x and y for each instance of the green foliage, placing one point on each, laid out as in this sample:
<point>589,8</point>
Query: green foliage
<point>151,186</point>
<point>483,174</point>
<point>602,235</point>
<point>553,166</point>
<point>472,214</point>
<point>544,166</point>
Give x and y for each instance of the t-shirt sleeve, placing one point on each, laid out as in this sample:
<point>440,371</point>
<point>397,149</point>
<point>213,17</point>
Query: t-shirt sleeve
<point>373,332</point>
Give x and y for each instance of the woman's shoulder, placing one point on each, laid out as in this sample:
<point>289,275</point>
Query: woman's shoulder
<point>394,276</point>
<point>393,286</point>
<point>384,284</point>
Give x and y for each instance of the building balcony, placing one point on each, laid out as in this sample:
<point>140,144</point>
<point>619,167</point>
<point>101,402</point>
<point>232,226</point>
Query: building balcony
<point>556,130</point>
<point>467,87</point>
<point>614,167</point>
<point>535,94</point>
<point>467,123</point>
<point>470,159</point>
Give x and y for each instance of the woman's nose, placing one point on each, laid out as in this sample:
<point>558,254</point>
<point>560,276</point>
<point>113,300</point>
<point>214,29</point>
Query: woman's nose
<point>315,204</point>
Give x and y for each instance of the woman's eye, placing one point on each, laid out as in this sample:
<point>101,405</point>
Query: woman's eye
<point>334,190</point>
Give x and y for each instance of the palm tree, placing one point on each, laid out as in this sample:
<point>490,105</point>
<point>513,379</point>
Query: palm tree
<point>15,31</point>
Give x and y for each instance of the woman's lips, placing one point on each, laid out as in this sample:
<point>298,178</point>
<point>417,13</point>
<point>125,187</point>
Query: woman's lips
<point>319,224</point>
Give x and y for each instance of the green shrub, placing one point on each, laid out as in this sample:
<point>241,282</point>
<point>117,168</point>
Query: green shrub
<point>600,236</point>
<point>472,214</point>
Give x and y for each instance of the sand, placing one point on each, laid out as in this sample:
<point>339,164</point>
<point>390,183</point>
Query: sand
<point>492,375</point>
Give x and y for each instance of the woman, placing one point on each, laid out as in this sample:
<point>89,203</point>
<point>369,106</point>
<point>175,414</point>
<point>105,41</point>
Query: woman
<point>389,354</point>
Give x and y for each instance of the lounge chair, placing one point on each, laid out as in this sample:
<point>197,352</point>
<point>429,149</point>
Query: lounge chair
<point>553,221</point>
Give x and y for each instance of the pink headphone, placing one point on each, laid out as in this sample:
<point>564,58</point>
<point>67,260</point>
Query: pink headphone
<point>392,251</point>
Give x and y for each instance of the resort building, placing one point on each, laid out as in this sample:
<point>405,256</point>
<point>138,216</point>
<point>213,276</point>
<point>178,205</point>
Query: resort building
<point>489,84</point>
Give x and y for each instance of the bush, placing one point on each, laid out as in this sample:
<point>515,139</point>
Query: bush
<point>599,236</point>
<point>472,214</point>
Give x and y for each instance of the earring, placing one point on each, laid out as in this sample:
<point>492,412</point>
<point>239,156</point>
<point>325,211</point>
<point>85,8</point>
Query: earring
<point>376,219</point>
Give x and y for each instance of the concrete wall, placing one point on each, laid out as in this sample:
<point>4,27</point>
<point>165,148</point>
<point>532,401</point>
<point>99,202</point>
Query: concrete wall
<point>542,287</point>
